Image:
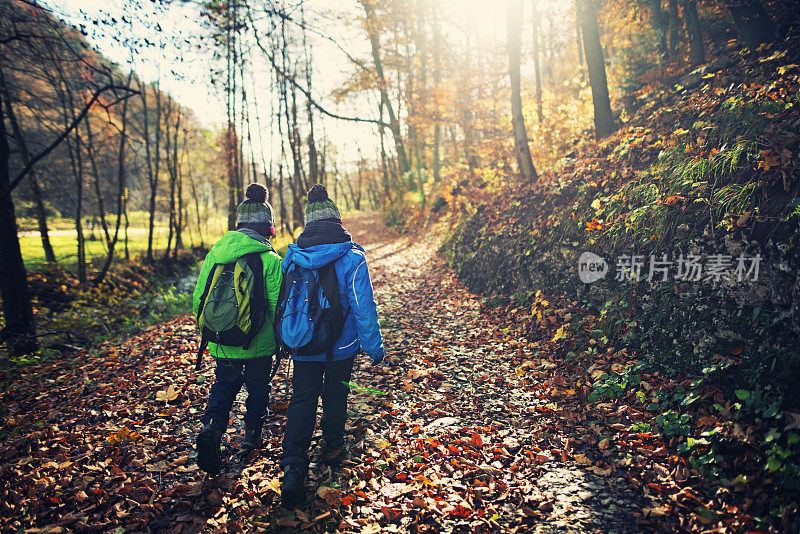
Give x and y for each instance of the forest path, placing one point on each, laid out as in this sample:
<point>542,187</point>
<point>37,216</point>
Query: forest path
<point>473,405</point>
<point>456,433</point>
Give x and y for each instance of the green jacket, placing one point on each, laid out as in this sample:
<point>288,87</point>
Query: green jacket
<point>233,245</point>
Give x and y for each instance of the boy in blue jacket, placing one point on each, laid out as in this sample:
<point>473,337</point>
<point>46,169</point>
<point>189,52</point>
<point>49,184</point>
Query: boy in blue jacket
<point>324,240</point>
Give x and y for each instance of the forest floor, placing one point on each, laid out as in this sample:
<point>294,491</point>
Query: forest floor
<point>462,430</point>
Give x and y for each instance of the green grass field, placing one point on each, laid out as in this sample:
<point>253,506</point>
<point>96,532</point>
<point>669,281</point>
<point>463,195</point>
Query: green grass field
<point>66,246</point>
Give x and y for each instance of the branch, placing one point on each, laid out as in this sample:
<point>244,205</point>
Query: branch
<point>16,37</point>
<point>25,170</point>
<point>349,56</point>
<point>302,89</point>
<point>35,5</point>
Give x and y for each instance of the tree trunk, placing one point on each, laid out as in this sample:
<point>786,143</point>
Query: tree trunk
<point>229,111</point>
<point>466,105</point>
<point>20,329</point>
<point>659,23</point>
<point>361,164</point>
<point>97,189</point>
<point>284,216</point>
<point>603,120</point>
<point>121,186</point>
<point>387,187</point>
<point>579,39</point>
<point>421,40</point>
<point>196,207</point>
<point>79,210</point>
<point>697,54</point>
<point>352,191</point>
<point>127,225</point>
<point>296,179</point>
<point>536,62</point>
<point>76,161</point>
<point>313,158</point>
<point>754,24</point>
<point>76,157</point>
<point>514,28</point>
<point>179,221</point>
<point>230,164</point>
<point>437,87</point>
<point>41,219</point>
<point>394,124</point>
<point>149,163</point>
<point>41,213</point>
<point>674,26</point>
<point>172,184</point>
<point>153,163</point>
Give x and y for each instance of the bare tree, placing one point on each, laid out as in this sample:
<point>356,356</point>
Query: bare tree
<point>514,29</point>
<point>603,119</point>
<point>20,329</point>
<point>372,26</point>
<point>41,214</point>
<point>153,159</point>
<point>537,60</point>
<point>121,187</point>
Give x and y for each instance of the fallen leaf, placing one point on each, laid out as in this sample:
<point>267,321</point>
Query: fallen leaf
<point>274,485</point>
<point>582,460</point>
<point>167,396</point>
<point>330,495</point>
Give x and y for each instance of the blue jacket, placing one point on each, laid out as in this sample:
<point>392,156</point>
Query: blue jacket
<point>361,329</point>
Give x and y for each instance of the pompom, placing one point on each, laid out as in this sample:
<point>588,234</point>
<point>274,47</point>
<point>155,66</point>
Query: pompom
<point>318,193</point>
<point>256,193</point>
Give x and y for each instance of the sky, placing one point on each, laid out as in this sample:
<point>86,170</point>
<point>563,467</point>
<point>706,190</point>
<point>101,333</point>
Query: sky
<point>180,57</point>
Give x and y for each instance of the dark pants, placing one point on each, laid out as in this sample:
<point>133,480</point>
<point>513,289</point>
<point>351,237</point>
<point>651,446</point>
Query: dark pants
<point>231,374</point>
<point>309,381</point>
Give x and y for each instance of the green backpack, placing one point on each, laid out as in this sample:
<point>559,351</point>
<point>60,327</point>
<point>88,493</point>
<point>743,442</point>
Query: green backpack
<point>233,305</point>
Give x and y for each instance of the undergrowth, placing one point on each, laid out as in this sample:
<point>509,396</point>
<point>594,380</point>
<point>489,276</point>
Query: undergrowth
<point>702,174</point>
<point>133,296</point>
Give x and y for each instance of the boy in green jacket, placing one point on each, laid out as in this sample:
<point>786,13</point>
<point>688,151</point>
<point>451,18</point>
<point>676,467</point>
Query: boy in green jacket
<point>238,365</point>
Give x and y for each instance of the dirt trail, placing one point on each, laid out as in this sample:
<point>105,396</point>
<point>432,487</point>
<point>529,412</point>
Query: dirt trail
<point>455,378</point>
<point>453,434</point>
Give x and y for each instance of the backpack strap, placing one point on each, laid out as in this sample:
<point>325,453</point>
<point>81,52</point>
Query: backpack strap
<point>279,355</point>
<point>277,319</point>
<point>280,305</point>
<point>330,288</point>
<point>330,285</point>
<point>257,312</point>
<point>198,364</point>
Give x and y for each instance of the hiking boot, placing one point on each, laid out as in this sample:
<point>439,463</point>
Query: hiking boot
<point>252,438</point>
<point>209,455</point>
<point>293,492</point>
<point>333,453</point>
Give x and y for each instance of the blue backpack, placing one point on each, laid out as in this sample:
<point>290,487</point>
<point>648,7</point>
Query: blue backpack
<point>309,316</point>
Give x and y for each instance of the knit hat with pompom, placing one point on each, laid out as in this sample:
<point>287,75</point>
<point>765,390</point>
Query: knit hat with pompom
<point>320,207</point>
<point>255,212</point>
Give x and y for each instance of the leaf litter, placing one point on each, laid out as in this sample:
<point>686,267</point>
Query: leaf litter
<point>469,426</point>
